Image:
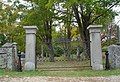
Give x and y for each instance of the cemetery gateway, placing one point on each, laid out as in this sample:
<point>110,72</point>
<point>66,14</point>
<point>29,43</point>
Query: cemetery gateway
<point>8,52</point>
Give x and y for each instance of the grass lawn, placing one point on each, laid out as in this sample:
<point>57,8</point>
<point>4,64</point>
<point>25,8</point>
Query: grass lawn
<point>1,72</point>
<point>62,73</point>
<point>80,73</point>
<point>64,64</point>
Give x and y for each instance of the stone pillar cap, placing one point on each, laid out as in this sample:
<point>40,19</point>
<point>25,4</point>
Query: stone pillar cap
<point>14,43</point>
<point>1,1</point>
<point>30,27</point>
<point>94,26</point>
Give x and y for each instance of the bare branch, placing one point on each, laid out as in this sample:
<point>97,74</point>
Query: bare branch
<point>103,13</point>
<point>77,15</point>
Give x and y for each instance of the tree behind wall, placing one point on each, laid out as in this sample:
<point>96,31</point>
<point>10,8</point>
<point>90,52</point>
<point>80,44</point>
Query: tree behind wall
<point>9,27</point>
<point>40,16</point>
<point>87,12</point>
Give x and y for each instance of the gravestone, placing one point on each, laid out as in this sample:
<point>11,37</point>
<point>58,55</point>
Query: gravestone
<point>7,56</point>
<point>114,56</point>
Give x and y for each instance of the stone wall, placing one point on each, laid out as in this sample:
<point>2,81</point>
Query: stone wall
<point>114,56</point>
<point>3,58</point>
<point>7,56</point>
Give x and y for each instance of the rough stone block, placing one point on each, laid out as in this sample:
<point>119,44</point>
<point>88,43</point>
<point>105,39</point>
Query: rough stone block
<point>29,66</point>
<point>114,56</point>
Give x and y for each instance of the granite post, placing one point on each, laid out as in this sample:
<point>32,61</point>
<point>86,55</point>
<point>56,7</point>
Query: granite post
<point>95,47</point>
<point>30,47</point>
<point>15,54</point>
<point>118,35</point>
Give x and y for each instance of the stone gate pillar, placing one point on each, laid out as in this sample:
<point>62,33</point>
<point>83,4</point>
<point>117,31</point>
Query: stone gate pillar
<point>30,47</point>
<point>15,58</point>
<point>95,47</point>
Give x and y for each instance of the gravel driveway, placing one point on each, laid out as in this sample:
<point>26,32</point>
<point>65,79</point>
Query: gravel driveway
<point>61,79</point>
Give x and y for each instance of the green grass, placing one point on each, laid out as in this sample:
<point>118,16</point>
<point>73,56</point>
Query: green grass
<point>1,72</point>
<point>80,73</point>
<point>64,64</point>
<point>61,73</point>
<point>70,63</point>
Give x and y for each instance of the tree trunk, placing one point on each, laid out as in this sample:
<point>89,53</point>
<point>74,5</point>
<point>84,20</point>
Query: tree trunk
<point>83,23</point>
<point>42,53</point>
<point>78,53</point>
<point>68,45</point>
<point>69,40</point>
<point>86,44</point>
<point>48,39</point>
<point>51,51</point>
<point>86,35</point>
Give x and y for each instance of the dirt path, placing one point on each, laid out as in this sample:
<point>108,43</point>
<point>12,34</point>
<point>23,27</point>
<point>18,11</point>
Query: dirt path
<point>61,79</point>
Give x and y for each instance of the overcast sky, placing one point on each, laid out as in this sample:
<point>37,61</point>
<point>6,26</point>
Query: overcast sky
<point>117,18</point>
